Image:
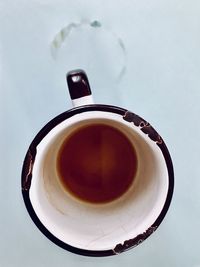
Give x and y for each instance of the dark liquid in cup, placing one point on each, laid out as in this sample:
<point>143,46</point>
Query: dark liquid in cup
<point>97,163</point>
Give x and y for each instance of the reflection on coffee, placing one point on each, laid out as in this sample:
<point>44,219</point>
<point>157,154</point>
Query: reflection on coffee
<point>97,163</point>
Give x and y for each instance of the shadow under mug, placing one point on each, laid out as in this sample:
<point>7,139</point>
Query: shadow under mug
<point>106,229</point>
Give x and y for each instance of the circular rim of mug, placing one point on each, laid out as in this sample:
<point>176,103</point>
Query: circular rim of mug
<point>28,163</point>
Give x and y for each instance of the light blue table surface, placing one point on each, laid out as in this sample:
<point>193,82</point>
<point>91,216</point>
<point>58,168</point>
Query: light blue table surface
<point>140,55</point>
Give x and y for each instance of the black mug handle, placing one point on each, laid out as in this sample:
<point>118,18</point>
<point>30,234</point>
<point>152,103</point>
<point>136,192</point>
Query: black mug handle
<point>79,88</point>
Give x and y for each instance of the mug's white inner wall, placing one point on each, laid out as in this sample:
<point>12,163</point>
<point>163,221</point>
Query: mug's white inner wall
<point>98,227</point>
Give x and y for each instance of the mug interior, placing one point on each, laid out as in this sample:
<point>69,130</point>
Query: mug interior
<point>98,226</point>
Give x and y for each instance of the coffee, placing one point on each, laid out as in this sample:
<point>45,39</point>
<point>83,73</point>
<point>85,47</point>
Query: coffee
<point>96,163</point>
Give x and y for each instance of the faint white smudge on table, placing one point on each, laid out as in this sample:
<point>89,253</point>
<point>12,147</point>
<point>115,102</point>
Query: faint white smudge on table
<point>117,44</point>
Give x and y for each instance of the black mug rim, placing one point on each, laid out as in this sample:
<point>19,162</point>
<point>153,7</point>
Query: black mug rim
<point>28,163</point>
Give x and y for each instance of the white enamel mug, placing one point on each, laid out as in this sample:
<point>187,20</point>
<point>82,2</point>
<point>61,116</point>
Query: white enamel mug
<point>106,229</point>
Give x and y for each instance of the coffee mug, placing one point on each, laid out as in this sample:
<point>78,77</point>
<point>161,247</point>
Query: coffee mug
<point>97,179</point>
